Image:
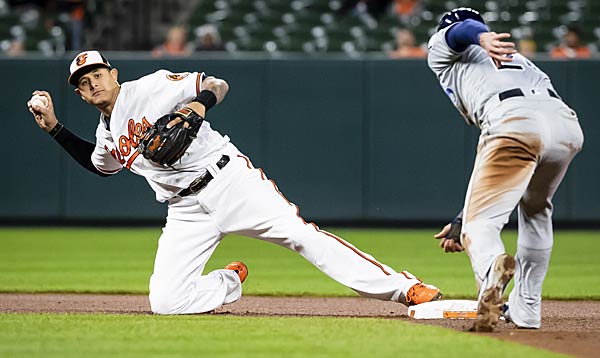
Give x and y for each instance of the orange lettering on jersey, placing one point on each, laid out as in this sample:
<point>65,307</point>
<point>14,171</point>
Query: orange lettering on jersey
<point>130,141</point>
<point>130,161</point>
<point>124,145</point>
<point>145,124</point>
<point>81,59</point>
<point>115,155</point>
<point>137,133</point>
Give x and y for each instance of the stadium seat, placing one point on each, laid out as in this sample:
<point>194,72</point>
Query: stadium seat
<point>289,24</point>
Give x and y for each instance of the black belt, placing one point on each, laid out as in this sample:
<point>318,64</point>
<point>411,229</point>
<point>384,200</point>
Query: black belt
<point>203,180</point>
<point>516,92</point>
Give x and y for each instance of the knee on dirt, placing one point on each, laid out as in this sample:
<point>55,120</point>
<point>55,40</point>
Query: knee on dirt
<point>165,302</point>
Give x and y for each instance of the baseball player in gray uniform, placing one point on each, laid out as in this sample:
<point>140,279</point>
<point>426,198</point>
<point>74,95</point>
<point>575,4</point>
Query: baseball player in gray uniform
<point>528,138</point>
<point>212,190</point>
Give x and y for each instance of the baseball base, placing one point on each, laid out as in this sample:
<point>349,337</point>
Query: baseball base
<point>445,309</point>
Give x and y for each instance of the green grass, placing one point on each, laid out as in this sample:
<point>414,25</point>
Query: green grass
<point>53,335</point>
<point>121,260</point>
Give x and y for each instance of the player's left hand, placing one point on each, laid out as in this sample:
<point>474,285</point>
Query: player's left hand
<point>450,238</point>
<point>497,49</point>
<point>167,140</point>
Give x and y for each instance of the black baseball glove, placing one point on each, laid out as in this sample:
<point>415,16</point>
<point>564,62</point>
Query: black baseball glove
<point>170,136</point>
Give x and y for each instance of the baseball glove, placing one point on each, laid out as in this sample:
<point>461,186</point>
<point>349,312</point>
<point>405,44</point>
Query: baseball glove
<point>170,136</point>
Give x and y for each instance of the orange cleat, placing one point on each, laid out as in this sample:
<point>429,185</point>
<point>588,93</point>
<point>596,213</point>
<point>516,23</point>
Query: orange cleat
<point>240,268</point>
<point>421,293</point>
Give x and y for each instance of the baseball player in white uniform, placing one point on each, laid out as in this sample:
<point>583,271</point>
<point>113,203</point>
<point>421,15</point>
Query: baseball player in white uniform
<point>528,138</point>
<point>213,190</point>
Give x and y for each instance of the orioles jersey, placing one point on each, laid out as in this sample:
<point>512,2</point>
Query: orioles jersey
<point>471,78</point>
<point>139,104</point>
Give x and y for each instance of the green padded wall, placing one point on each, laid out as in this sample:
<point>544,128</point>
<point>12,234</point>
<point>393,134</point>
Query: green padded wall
<point>351,140</point>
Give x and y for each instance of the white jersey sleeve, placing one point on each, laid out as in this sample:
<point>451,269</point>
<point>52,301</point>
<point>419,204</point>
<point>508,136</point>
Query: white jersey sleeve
<point>165,87</point>
<point>104,154</point>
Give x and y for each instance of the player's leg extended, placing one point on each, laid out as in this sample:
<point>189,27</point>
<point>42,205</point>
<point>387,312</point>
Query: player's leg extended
<point>177,285</point>
<point>535,223</point>
<point>503,168</point>
<point>254,207</point>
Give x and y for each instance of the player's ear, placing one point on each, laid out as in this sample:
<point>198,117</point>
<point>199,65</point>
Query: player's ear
<point>79,93</point>
<point>114,73</point>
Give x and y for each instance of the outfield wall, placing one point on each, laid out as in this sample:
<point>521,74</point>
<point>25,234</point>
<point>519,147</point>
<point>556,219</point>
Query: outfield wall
<point>351,140</point>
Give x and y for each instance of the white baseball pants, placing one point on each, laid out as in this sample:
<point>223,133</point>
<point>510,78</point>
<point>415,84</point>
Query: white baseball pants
<point>524,151</point>
<point>242,200</point>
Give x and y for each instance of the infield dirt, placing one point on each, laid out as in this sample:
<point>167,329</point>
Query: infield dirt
<point>570,327</point>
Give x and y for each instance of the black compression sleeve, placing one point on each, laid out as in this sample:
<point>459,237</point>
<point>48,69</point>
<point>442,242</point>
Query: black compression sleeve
<point>80,149</point>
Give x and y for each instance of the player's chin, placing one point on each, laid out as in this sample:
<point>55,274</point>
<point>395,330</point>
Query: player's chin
<point>97,101</point>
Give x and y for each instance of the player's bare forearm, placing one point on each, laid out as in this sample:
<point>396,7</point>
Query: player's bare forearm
<point>497,49</point>
<point>210,86</point>
<point>213,92</point>
<point>218,86</point>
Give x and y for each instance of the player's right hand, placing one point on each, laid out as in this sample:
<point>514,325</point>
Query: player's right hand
<point>44,116</point>
<point>497,49</point>
<point>447,243</point>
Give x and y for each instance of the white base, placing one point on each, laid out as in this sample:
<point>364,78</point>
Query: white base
<point>445,309</point>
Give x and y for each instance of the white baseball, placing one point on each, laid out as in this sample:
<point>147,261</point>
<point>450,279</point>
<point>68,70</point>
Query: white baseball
<point>38,100</point>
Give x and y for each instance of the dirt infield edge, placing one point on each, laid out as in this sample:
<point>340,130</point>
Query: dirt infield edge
<point>568,327</point>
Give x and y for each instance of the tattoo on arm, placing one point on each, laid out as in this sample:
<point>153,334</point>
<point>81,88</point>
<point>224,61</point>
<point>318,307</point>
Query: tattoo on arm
<point>218,86</point>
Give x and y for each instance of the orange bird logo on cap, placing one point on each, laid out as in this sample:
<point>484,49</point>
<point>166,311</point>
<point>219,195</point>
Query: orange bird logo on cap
<point>80,61</point>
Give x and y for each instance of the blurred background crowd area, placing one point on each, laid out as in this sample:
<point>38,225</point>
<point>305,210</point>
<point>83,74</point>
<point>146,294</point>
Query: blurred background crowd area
<point>396,28</point>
